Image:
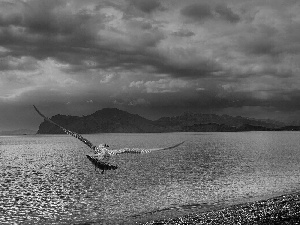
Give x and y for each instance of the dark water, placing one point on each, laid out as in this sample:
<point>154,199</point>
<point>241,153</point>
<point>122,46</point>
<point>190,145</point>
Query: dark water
<point>48,180</point>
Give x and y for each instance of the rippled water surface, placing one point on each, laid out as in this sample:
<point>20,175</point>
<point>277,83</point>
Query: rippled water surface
<point>47,179</point>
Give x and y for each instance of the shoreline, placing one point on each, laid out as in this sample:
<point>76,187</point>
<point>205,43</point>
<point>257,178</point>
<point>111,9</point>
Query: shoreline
<point>284,209</point>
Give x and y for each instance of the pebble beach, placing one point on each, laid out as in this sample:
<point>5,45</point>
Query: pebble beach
<point>284,209</point>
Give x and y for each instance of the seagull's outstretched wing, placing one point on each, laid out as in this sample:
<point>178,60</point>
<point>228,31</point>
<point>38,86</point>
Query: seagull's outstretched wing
<point>78,136</point>
<point>139,150</point>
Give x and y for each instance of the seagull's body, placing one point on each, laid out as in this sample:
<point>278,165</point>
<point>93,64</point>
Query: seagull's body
<point>102,154</point>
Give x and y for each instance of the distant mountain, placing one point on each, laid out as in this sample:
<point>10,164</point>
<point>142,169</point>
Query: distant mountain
<point>212,122</point>
<point>108,120</point>
<point>290,128</point>
<point>112,120</point>
<point>18,132</point>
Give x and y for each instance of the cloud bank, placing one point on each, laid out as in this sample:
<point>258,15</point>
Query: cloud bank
<point>150,57</point>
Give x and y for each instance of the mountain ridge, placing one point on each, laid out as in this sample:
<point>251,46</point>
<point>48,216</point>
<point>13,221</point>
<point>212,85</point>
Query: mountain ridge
<point>113,120</point>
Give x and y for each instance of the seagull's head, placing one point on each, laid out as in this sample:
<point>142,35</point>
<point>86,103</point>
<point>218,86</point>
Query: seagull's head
<point>103,146</point>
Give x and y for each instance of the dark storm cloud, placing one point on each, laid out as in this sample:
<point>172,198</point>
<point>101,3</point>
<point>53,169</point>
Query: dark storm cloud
<point>183,33</point>
<point>52,30</point>
<point>143,25</point>
<point>146,6</point>
<point>44,45</point>
<point>201,11</point>
<point>260,40</point>
<point>171,63</point>
<point>11,63</point>
<point>49,22</point>
<point>201,68</point>
<point>197,12</point>
<point>158,56</point>
<point>40,17</point>
<point>49,29</point>
<point>10,20</point>
<point>259,46</point>
<point>226,13</point>
<point>112,54</point>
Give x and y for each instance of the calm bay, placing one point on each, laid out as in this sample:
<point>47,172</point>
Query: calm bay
<point>47,179</point>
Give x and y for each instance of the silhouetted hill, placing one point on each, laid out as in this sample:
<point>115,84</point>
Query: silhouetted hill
<point>112,120</point>
<point>108,120</point>
<point>232,123</point>
<point>290,128</point>
<point>188,119</point>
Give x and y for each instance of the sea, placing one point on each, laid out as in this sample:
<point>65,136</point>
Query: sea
<point>47,179</point>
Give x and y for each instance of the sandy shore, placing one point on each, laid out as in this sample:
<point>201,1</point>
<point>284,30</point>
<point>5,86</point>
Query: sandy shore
<point>284,209</point>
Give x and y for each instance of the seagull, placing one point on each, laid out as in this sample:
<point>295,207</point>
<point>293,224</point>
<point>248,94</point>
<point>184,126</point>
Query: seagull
<point>102,154</point>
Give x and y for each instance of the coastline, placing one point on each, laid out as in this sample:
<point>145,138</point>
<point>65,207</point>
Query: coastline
<point>284,209</point>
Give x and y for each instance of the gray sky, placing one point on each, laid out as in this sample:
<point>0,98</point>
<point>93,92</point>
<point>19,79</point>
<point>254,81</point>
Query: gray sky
<point>154,58</point>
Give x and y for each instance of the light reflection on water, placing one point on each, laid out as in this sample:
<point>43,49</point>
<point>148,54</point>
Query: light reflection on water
<point>46,179</point>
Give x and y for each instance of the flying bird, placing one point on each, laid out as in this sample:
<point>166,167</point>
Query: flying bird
<point>102,154</point>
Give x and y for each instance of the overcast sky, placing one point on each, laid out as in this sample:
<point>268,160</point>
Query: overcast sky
<point>155,58</point>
